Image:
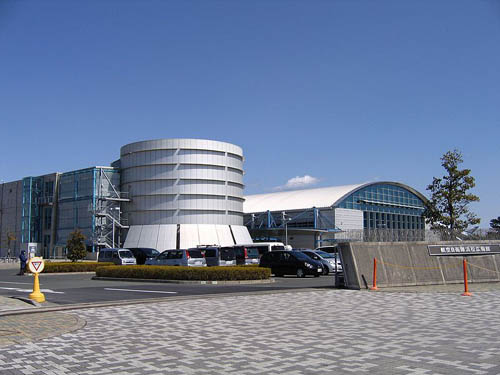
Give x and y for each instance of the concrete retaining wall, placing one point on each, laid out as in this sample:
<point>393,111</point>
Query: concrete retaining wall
<point>409,264</point>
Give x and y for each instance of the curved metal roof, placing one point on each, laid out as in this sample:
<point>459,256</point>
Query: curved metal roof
<point>308,198</point>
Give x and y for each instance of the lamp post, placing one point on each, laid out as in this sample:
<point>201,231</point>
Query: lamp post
<point>285,219</point>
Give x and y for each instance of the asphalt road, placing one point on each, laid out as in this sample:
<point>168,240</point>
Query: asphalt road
<point>65,289</point>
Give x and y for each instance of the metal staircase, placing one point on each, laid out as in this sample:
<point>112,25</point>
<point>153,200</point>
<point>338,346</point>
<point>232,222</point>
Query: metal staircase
<point>106,212</point>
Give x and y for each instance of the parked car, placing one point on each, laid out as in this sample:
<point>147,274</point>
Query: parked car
<point>264,247</point>
<point>329,261</point>
<point>183,257</point>
<point>219,256</point>
<point>333,249</point>
<point>246,254</point>
<point>284,262</point>
<point>143,253</point>
<point>333,258</point>
<point>117,256</point>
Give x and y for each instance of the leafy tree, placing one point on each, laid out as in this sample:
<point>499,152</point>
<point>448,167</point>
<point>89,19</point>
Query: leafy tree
<point>447,210</point>
<point>76,246</point>
<point>495,224</point>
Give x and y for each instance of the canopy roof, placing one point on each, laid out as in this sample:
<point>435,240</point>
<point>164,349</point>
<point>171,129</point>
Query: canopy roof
<point>308,198</point>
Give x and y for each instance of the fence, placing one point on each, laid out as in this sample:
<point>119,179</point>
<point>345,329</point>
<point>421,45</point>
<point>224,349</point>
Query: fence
<point>411,235</point>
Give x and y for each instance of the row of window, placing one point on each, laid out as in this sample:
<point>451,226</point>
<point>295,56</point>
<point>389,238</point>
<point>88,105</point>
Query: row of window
<point>379,220</point>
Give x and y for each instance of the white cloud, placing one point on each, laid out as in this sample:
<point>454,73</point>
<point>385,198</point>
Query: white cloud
<point>299,182</point>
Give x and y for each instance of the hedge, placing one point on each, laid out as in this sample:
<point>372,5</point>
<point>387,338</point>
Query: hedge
<point>185,273</point>
<point>51,267</point>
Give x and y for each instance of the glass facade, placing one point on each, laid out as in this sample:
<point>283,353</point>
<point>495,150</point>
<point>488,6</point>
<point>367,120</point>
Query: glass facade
<point>79,192</point>
<point>30,216</point>
<point>387,206</point>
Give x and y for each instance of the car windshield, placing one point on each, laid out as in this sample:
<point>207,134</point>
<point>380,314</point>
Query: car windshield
<point>324,254</point>
<point>125,254</point>
<point>151,252</point>
<point>195,253</point>
<point>227,254</point>
<point>301,256</point>
<point>164,255</point>
<point>252,252</point>
<point>312,255</point>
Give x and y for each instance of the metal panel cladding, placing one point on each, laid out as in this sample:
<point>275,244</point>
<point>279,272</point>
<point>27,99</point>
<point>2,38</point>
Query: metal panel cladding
<point>182,181</point>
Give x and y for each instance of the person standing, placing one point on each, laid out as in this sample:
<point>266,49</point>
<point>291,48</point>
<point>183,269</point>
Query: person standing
<point>22,259</point>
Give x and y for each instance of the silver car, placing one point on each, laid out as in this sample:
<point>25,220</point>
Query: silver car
<point>331,262</point>
<point>187,257</point>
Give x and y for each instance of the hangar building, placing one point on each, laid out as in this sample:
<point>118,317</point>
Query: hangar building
<point>377,211</point>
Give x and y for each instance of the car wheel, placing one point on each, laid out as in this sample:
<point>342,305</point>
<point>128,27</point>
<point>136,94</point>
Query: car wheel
<point>316,275</point>
<point>326,271</point>
<point>300,273</point>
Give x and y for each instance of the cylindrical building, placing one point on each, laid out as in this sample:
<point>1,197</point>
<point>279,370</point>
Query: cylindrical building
<point>190,188</point>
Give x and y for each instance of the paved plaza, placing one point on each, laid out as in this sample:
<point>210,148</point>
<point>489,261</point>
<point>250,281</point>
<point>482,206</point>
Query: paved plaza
<point>315,332</point>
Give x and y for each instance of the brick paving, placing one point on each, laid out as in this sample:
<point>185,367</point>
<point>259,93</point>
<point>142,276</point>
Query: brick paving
<point>9,304</point>
<point>21,329</point>
<point>318,332</point>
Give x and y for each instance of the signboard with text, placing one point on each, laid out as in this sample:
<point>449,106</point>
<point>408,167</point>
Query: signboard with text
<point>463,250</point>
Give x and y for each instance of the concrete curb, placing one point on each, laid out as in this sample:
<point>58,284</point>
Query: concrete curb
<point>92,305</point>
<point>197,282</point>
<point>28,301</point>
<point>65,273</point>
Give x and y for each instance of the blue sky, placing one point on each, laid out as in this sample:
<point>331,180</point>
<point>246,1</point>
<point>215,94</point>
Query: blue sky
<point>344,91</point>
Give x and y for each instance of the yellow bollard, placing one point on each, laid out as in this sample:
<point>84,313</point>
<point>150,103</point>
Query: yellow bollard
<point>37,295</point>
<point>36,266</point>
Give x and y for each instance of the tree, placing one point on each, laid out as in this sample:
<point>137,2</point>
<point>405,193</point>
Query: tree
<point>495,224</point>
<point>11,237</point>
<point>447,210</point>
<point>76,246</point>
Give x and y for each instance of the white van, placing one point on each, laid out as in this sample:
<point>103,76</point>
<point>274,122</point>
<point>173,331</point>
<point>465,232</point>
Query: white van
<point>117,256</point>
<point>263,247</point>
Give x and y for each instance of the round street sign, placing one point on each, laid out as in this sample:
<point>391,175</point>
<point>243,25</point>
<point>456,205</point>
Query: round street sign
<point>36,264</point>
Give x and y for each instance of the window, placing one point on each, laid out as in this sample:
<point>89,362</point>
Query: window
<point>285,257</point>
<point>49,188</point>
<point>227,254</point>
<point>47,218</point>
<point>209,253</point>
<point>165,255</point>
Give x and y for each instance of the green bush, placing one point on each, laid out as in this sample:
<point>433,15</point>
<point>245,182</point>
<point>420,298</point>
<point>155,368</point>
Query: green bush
<point>185,273</point>
<point>76,246</point>
<point>51,267</point>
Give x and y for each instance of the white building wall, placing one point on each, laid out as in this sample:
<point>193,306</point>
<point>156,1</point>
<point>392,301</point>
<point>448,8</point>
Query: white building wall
<point>195,183</point>
<point>348,219</point>
<point>182,181</point>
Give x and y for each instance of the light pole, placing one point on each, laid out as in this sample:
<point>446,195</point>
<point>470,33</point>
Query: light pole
<point>285,219</point>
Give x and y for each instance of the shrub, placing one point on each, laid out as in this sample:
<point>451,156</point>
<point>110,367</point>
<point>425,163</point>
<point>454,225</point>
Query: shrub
<point>51,267</point>
<point>185,273</point>
<point>76,246</point>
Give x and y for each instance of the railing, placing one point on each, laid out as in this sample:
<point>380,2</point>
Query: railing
<point>9,260</point>
<point>400,235</point>
<point>45,200</point>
